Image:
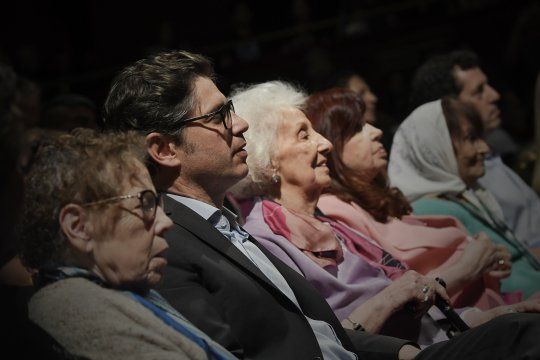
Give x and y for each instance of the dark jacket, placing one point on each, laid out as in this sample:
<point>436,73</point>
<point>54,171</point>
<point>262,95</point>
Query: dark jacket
<point>224,294</point>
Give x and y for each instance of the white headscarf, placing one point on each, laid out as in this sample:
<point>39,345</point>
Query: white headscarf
<point>422,161</point>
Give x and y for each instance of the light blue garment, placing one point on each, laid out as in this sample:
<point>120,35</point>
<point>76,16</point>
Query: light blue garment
<point>225,221</point>
<point>520,204</point>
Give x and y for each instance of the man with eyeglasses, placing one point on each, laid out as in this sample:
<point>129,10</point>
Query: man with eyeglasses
<point>218,276</point>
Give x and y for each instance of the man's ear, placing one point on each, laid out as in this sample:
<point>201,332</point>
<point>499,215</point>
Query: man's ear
<point>75,225</point>
<point>162,150</point>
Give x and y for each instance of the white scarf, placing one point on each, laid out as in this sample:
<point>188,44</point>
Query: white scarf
<point>423,163</point>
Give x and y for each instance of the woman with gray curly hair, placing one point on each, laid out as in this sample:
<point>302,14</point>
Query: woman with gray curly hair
<point>363,284</point>
<point>93,228</point>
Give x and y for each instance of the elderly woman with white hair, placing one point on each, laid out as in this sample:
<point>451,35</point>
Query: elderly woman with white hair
<point>365,286</point>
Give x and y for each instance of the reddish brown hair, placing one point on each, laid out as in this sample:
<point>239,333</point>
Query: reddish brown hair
<point>337,114</point>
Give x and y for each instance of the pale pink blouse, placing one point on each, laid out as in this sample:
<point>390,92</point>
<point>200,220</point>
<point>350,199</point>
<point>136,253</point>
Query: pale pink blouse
<point>426,244</point>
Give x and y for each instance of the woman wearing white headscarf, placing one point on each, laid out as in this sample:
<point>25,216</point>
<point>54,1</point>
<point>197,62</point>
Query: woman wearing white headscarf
<point>437,158</point>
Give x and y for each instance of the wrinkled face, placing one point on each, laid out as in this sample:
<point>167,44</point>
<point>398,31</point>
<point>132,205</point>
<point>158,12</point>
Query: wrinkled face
<point>470,154</point>
<point>364,153</point>
<point>213,155</point>
<point>301,153</point>
<point>359,86</point>
<point>480,94</point>
<point>127,251</point>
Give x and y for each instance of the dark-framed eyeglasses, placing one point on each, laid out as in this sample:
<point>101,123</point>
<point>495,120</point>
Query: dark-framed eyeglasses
<point>224,113</point>
<point>149,202</point>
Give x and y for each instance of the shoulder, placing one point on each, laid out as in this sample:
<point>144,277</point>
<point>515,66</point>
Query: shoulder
<point>437,206</point>
<point>74,299</point>
<point>255,224</point>
<point>72,309</point>
<point>330,203</point>
<point>334,207</point>
<point>279,246</point>
<point>433,204</point>
<point>94,322</point>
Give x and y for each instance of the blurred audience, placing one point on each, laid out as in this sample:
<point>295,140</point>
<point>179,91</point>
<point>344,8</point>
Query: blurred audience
<point>357,84</point>
<point>69,111</point>
<point>28,101</point>
<point>354,82</point>
<point>11,131</point>
<point>15,279</point>
<point>536,173</point>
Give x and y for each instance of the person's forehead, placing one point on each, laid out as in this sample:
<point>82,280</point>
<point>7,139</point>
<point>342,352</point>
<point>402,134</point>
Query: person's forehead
<point>292,120</point>
<point>470,78</point>
<point>137,177</point>
<point>357,84</point>
<point>207,96</point>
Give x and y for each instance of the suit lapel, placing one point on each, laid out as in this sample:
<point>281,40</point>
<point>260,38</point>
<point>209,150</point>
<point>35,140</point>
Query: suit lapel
<point>188,219</point>
<point>191,221</point>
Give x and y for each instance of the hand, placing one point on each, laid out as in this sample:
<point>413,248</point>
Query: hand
<point>416,289</point>
<point>408,352</point>
<point>482,256</point>
<point>479,317</point>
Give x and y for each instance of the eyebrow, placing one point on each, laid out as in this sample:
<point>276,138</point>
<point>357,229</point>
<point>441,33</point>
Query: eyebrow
<point>218,106</point>
<point>479,88</point>
<point>213,109</point>
<point>301,127</point>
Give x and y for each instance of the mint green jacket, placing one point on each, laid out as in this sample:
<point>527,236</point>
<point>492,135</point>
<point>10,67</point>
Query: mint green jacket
<point>525,270</point>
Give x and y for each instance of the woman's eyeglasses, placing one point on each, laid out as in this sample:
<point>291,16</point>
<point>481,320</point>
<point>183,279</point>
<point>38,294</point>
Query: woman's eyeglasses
<point>148,199</point>
<point>224,113</point>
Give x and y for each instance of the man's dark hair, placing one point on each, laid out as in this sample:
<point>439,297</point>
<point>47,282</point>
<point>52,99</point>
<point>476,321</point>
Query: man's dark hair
<point>155,93</point>
<point>436,77</point>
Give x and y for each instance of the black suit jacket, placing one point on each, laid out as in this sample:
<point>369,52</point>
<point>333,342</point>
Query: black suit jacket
<point>223,293</point>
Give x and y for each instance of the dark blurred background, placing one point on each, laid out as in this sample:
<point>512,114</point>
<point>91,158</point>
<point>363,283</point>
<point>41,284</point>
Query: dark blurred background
<point>78,46</point>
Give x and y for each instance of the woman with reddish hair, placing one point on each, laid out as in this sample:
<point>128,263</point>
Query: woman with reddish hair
<point>360,197</point>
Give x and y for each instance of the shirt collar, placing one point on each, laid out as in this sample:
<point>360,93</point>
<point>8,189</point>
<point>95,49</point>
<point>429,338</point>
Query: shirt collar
<point>206,211</point>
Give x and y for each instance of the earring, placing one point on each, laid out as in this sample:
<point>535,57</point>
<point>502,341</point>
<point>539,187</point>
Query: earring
<point>275,178</point>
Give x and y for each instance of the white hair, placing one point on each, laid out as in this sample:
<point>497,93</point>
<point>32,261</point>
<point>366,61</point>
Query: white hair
<point>261,106</point>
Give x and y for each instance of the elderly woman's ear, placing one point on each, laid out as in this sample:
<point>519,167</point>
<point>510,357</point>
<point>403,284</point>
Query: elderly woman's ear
<point>162,150</point>
<point>75,224</point>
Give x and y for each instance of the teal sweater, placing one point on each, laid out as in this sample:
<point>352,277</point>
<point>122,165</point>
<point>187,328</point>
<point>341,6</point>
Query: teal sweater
<point>524,277</point>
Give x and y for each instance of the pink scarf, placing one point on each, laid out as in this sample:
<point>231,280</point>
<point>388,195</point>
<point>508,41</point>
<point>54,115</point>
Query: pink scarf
<point>317,237</point>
